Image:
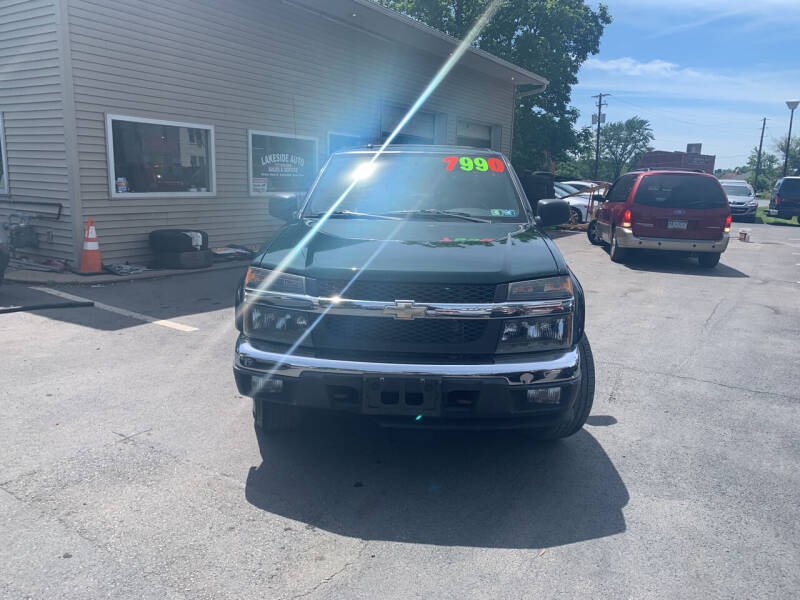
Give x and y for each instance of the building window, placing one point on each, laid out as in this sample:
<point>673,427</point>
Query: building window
<point>148,157</point>
<point>280,162</point>
<point>420,129</point>
<point>3,162</point>
<point>473,134</point>
<point>344,141</point>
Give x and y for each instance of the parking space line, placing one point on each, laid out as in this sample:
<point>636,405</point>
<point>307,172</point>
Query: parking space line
<point>119,311</point>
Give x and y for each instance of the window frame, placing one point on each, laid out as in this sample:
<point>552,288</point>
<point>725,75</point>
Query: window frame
<point>331,132</point>
<point>212,166</point>
<point>5,188</point>
<point>250,134</point>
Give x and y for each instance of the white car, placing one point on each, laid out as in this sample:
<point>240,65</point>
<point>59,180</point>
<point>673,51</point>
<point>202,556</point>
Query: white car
<point>578,205</point>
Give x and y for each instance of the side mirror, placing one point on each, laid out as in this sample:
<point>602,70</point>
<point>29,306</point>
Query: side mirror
<point>552,211</point>
<point>284,206</point>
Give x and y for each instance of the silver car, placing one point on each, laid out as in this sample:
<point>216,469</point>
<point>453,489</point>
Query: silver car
<point>742,199</point>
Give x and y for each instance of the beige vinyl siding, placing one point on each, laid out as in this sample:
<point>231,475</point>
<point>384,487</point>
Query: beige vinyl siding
<point>246,64</point>
<point>31,103</point>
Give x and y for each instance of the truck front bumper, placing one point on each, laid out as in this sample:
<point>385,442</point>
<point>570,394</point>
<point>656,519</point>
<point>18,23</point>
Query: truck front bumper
<point>522,391</point>
<point>626,239</point>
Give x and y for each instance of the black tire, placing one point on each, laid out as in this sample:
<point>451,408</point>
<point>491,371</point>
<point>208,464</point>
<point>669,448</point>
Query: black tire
<point>583,403</point>
<point>592,234</point>
<point>709,260</point>
<point>616,253</point>
<point>750,219</point>
<point>176,240</point>
<point>575,216</point>
<point>271,416</point>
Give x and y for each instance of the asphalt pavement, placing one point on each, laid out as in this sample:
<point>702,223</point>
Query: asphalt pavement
<point>130,468</point>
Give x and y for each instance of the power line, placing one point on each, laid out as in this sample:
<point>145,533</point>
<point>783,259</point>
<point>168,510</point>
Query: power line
<point>673,118</point>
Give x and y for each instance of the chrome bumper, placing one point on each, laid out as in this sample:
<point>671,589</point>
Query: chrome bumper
<point>626,239</point>
<point>557,367</point>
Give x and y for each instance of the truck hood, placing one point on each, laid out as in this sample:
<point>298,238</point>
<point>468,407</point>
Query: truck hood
<point>413,250</point>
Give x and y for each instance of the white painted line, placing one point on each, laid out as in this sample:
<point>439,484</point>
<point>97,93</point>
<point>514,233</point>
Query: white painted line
<point>119,311</point>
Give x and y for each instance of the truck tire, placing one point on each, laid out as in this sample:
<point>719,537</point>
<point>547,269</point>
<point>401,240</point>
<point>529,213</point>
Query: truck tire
<point>271,416</point>
<point>709,260</point>
<point>176,240</point>
<point>616,253</point>
<point>583,403</point>
<point>193,259</point>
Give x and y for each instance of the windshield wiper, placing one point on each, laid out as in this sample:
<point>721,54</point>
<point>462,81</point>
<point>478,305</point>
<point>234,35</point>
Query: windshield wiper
<point>436,212</point>
<point>353,214</point>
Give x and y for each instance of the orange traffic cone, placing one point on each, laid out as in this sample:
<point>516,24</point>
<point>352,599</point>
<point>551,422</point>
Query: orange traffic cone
<point>90,259</point>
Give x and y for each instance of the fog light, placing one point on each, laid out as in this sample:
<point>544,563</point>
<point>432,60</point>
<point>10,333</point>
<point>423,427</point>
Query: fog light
<point>266,385</point>
<point>545,395</point>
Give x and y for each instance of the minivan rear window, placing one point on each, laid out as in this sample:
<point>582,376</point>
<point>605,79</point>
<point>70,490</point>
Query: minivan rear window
<point>790,188</point>
<point>680,191</point>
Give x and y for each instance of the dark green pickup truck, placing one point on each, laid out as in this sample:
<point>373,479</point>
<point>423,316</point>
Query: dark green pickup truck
<point>415,284</point>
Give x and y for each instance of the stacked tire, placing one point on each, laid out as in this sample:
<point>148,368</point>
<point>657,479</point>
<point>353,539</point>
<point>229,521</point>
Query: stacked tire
<point>180,249</point>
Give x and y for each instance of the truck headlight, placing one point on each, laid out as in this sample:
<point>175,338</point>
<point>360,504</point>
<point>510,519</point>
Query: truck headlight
<point>548,288</point>
<point>265,280</point>
<point>533,335</point>
<point>277,324</point>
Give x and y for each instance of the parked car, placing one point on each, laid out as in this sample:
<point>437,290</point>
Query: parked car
<point>417,286</point>
<point>579,205</point>
<point>785,200</point>
<point>664,210</point>
<point>741,198</point>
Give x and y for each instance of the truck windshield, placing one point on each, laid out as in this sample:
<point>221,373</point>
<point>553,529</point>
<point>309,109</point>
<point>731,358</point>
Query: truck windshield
<point>418,184</point>
<point>680,191</point>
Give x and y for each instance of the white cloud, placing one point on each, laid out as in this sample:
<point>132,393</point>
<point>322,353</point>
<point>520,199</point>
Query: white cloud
<point>663,78</point>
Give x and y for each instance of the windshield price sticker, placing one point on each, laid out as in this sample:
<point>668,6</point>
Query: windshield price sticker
<point>480,164</point>
<point>503,212</point>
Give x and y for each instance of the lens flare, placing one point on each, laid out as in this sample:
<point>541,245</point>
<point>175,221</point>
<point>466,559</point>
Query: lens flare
<point>366,169</point>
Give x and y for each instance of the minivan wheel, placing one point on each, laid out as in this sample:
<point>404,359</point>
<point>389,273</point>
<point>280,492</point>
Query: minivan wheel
<point>592,233</point>
<point>617,254</point>
<point>708,259</point>
<point>583,403</point>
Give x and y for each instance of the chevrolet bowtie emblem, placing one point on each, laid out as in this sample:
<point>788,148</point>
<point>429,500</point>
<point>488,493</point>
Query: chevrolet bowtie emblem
<point>405,309</point>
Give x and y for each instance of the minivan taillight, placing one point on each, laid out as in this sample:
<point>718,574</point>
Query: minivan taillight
<point>727,226</point>
<point>626,219</point>
<point>777,199</point>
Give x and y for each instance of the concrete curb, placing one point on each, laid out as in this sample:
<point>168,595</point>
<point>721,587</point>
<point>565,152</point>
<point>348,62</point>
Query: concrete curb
<point>49,278</point>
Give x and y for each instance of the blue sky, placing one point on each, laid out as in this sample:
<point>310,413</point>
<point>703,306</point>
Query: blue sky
<point>704,71</point>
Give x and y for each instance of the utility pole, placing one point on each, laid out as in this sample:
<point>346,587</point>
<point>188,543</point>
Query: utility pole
<point>792,104</point>
<point>758,160</point>
<point>600,105</point>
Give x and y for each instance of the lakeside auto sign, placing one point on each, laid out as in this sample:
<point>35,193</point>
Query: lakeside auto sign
<point>281,164</point>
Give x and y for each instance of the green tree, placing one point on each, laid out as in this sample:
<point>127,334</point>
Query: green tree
<point>794,155</point>
<point>552,38</point>
<point>623,142</point>
<point>771,166</point>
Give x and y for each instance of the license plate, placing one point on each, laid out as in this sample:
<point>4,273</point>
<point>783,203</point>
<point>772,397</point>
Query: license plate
<point>676,224</point>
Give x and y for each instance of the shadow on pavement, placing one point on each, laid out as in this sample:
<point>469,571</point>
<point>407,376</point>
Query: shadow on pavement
<point>662,262</point>
<point>169,298</point>
<point>456,488</point>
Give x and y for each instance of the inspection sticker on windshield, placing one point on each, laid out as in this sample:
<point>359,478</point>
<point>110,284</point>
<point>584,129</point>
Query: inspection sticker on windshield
<point>480,164</point>
<point>503,212</point>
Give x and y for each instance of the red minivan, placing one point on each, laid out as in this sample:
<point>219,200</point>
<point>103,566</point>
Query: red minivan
<point>681,211</point>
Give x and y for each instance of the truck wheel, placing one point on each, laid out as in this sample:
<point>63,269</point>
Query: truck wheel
<point>592,233</point>
<point>271,416</point>
<point>583,403</point>
<point>708,260</point>
<point>616,253</point>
